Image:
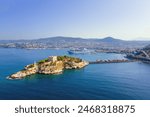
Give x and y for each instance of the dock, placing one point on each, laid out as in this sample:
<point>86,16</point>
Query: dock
<point>111,61</point>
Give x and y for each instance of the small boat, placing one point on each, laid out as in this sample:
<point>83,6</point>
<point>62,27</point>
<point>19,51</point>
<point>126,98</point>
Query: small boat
<point>81,51</point>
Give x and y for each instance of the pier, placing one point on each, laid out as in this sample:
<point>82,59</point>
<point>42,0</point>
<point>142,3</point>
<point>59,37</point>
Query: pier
<point>111,61</point>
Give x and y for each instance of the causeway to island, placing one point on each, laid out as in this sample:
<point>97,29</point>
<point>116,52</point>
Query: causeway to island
<point>57,64</point>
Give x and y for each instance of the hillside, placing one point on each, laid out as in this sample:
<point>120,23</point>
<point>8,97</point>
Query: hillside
<point>72,42</point>
<point>147,49</point>
<point>141,54</point>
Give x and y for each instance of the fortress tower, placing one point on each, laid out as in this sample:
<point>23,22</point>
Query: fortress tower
<point>52,58</point>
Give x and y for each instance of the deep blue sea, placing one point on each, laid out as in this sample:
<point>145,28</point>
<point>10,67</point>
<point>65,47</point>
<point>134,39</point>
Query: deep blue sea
<point>123,81</point>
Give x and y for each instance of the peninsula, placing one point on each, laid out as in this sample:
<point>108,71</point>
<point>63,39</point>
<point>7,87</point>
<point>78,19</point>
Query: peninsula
<point>50,65</point>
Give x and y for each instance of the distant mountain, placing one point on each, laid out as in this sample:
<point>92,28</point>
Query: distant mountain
<point>110,40</point>
<point>75,39</point>
<point>60,38</point>
<point>72,42</point>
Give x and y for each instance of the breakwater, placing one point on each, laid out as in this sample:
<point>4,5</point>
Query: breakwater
<point>111,61</point>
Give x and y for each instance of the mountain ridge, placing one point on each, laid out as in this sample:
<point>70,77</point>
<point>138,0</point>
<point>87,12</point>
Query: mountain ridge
<point>63,37</point>
<point>75,42</point>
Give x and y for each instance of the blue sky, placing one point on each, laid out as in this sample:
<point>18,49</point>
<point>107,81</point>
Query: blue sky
<point>30,19</point>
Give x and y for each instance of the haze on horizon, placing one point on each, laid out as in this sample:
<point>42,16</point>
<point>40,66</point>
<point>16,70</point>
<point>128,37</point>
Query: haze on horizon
<point>32,19</point>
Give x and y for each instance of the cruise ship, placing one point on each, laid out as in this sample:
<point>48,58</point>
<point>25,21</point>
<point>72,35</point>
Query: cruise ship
<point>81,51</point>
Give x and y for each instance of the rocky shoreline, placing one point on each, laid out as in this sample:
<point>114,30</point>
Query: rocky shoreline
<point>50,65</point>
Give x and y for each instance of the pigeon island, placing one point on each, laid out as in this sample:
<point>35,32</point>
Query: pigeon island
<point>50,65</point>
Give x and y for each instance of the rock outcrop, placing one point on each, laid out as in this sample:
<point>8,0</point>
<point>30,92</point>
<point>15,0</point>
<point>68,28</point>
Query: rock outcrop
<point>51,65</point>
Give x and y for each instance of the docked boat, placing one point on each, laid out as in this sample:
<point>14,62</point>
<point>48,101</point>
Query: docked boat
<point>81,51</point>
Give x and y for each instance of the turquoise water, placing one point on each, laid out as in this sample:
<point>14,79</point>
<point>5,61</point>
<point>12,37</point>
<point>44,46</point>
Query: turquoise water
<point>97,81</point>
